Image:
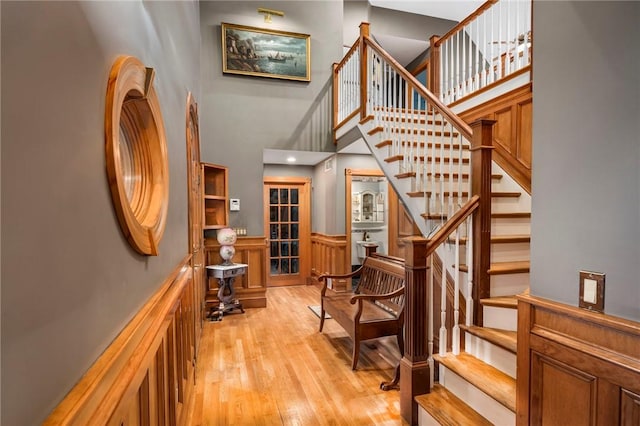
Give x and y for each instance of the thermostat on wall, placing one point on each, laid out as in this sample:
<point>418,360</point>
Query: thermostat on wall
<point>234,204</point>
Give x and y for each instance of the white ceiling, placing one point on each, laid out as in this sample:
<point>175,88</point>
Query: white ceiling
<point>454,10</point>
<point>406,50</point>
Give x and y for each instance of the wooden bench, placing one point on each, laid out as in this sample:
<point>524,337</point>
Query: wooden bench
<point>376,306</point>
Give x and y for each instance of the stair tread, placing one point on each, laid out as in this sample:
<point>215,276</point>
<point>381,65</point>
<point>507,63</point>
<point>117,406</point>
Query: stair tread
<point>413,120</point>
<point>445,175</point>
<point>515,215</point>
<point>509,267</point>
<point>501,302</point>
<point>506,194</point>
<point>464,193</point>
<point>502,268</point>
<point>423,132</point>
<point>488,379</point>
<point>400,157</point>
<point>449,410</point>
<point>505,339</point>
<point>437,145</point>
<point>505,239</point>
<point>511,215</point>
<point>418,194</point>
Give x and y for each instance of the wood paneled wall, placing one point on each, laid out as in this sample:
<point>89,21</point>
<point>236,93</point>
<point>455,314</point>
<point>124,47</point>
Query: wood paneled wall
<point>146,376</point>
<point>576,367</point>
<point>401,225</point>
<point>328,255</point>
<point>512,131</point>
<point>251,288</point>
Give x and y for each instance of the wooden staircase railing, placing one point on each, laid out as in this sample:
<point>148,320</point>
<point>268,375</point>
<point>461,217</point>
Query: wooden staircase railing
<point>486,47</point>
<point>456,201</point>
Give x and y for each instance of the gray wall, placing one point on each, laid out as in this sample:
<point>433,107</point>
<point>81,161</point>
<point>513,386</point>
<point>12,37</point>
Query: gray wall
<point>70,281</point>
<point>407,25</point>
<point>241,115</point>
<point>355,12</point>
<point>387,22</point>
<point>586,156</point>
<point>323,218</point>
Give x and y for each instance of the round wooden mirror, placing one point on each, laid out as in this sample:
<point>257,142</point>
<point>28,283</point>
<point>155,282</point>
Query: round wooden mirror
<point>136,154</point>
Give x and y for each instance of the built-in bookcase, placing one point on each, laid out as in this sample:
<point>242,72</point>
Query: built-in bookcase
<point>215,196</point>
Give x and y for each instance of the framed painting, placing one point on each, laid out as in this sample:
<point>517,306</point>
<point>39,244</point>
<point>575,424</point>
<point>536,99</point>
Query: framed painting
<point>265,53</point>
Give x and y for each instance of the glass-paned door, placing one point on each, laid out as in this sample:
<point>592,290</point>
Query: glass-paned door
<point>287,224</point>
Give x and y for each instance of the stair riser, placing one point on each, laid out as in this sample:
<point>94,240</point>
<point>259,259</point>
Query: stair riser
<point>510,226</point>
<point>417,158</point>
<point>510,204</point>
<point>488,407</point>
<point>493,355</point>
<point>503,285</point>
<point>502,318</point>
<point>503,252</point>
<point>436,186</point>
<point>425,419</point>
<point>510,252</point>
<point>417,123</point>
<point>509,284</point>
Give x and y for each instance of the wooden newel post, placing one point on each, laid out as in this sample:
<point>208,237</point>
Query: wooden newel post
<point>434,66</point>
<point>364,32</point>
<point>481,148</point>
<point>334,94</point>
<point>414,369</point>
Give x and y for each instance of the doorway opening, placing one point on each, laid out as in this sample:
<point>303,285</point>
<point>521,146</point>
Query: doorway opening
<point>287,224</point>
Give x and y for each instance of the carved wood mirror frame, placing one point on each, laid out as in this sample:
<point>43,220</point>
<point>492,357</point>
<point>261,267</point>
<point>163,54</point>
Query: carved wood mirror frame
<point>136,154</point>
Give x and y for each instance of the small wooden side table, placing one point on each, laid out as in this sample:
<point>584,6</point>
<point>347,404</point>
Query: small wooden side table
<point>226,275</point>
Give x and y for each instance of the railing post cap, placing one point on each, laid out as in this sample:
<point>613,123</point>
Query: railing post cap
<point>364,29</point>
<point>483,122</point>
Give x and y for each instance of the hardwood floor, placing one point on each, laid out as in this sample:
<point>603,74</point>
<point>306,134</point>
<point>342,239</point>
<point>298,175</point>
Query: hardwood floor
<point>271,366</point>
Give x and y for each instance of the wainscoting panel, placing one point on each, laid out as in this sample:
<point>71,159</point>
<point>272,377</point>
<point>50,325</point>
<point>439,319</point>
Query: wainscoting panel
<point>146,376</point>
<point>512,131</point>
<point>401,225</point>
<point>328,255</point>
<point>576,367</point>
<point>251,288</point>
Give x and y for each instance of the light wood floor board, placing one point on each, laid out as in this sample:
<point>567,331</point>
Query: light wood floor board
<point>271,366</point>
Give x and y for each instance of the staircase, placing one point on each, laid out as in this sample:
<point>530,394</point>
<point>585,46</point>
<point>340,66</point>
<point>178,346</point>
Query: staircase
<point>462,276</point>
<point>478,385</point>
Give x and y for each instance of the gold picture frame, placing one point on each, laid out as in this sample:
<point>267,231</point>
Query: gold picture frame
<point>267,53</point>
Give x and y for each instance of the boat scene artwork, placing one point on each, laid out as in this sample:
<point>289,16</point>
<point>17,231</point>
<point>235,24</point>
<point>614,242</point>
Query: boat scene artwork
<point>265,53</point>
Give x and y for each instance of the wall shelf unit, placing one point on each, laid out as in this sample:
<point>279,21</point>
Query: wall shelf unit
<point>215,196</point>
<point>367,207</point>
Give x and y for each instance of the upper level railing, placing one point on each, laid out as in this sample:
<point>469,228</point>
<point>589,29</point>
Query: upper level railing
<point>489,45</point>
<point>347,87</point>
<point>428,141</point>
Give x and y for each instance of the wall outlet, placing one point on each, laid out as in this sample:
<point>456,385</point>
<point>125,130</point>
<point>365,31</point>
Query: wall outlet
<point>591,291</point>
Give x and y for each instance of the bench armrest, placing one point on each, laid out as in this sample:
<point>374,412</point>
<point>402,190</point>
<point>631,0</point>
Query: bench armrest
<point>323,278</point>
<point>360,298</point>
<point>374,297</point>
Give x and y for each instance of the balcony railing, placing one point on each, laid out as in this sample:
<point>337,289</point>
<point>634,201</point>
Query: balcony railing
<point>491,44</point>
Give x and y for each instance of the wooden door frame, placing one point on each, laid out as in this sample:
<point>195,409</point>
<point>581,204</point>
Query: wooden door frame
<point>348,200</point>
<point>305,234</point>
<point>195,213</point>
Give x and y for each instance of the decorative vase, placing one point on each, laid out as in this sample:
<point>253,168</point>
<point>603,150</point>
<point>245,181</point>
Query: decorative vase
<point>226,253</point>
<point>226,237</point>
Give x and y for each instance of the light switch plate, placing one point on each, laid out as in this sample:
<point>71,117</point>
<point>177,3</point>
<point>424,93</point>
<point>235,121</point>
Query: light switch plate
<point>591,291</point>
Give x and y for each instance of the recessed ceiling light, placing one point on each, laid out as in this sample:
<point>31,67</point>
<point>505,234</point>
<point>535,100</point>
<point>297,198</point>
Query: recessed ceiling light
<point>291,159</point>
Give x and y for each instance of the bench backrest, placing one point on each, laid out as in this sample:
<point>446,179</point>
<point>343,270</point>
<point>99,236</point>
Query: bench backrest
<point>380,275</point>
